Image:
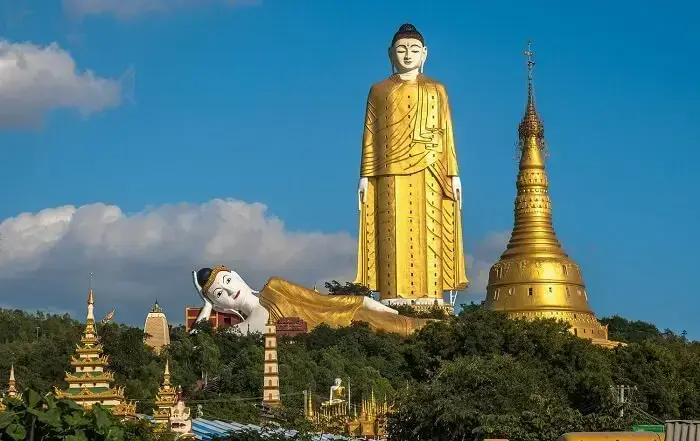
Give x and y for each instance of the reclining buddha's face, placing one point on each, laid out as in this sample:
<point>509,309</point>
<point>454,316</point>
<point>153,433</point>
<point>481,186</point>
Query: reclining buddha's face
<point>223,287</point>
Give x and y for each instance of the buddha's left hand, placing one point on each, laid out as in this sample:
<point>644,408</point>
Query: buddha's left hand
<point>457,190</point>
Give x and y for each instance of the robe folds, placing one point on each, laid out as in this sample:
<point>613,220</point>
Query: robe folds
<point>282,298</point>
<point>410,235</point>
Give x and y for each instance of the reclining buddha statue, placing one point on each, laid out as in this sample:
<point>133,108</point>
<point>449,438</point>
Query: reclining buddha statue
<point>225,291</point>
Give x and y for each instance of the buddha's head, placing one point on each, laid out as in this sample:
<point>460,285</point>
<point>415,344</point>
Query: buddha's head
<point>408,51</point>
<point>337,382</point>
<point>223,287</point>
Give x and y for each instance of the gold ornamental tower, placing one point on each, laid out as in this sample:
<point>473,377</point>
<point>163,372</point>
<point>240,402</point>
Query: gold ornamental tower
<point>165,399</point>
<point>12,391</point>
<point>93,382</point>
<point>535,278</point>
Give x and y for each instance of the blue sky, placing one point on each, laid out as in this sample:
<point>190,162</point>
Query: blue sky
<point>264,103</point>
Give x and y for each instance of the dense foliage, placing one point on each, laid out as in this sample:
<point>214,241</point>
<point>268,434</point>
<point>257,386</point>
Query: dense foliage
<point>480,372</point>
<point>44,418</point>
<point>349,289</point>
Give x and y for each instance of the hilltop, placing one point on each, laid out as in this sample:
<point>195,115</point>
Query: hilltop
<point>525,380</point>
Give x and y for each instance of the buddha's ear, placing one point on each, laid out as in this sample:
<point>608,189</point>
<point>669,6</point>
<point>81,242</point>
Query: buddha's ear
<point>423,57</point>
<point>196,283</point>
<point>197,287</point>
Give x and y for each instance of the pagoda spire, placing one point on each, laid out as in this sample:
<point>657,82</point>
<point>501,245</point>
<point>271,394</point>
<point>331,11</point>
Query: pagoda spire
<point>91,303</point>
<point>532,230</point>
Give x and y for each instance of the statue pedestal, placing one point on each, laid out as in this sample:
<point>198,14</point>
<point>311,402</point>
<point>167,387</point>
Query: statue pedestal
<point>424,304</point>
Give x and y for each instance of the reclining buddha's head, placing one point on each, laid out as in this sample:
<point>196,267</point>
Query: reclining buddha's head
<point>223,287</point>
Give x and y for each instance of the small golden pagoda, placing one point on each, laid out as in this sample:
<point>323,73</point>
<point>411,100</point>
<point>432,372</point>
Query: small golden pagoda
<point>165,399</point>
<point>339,414</point>
<point>12,391</point>
<point>92,382</point>
<point>535,278</point>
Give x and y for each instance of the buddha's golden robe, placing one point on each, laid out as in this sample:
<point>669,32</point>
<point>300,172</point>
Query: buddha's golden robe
<point>282,298</point>
<point>410,241</point>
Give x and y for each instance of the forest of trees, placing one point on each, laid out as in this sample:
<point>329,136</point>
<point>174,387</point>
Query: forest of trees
<point>478,372</point>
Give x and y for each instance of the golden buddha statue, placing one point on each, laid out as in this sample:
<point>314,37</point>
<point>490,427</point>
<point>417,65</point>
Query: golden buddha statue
<point>337,393</point>
<point>225,291</point>
<point>535,278</point>
<point>410,193</point>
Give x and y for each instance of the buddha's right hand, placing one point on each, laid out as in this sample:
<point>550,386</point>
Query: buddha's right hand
<point>362,192</point>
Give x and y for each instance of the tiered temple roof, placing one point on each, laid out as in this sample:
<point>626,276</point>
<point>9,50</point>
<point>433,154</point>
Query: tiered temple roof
<point>92,382</point>
<point>165,399</point>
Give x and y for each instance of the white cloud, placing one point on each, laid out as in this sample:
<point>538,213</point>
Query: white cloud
<point>129,9</point>
<point>46,257</point>
<point>36,79</point>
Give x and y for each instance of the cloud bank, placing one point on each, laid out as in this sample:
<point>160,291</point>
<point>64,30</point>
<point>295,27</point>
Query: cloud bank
<point>36,79</point>
<point>46,257</point>
<point>130,9</point>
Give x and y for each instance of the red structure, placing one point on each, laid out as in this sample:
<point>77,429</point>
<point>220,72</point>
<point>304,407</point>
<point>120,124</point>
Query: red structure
<point>286,326</point>
<point>217,319</point>
<point>291,327</point>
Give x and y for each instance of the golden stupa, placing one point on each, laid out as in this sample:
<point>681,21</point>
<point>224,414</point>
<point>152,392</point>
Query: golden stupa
<point>535,278</point>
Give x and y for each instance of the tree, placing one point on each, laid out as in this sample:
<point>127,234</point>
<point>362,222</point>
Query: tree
<point>349,289</point>
<point>630,331</point>
<point>480,370</point>
<point>435,312</point>
<point>35,418</point>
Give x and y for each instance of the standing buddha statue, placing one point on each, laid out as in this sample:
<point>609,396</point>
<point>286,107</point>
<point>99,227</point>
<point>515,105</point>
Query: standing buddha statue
<point>409,194</point>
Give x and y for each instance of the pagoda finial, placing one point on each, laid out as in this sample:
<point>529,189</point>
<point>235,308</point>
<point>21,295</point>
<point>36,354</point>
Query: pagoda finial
<point>531,129</point>
<point>156,307</point>
<point>166,374</point>
<point>90,301</point>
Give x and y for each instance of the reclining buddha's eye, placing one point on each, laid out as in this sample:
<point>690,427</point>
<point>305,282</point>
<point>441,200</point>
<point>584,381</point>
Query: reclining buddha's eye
<point>218,293</point>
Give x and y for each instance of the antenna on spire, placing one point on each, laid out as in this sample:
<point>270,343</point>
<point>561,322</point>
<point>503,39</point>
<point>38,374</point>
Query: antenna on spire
<point>530,62</point>
<point>90,277</point>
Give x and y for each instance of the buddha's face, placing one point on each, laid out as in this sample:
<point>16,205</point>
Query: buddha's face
<point>228,290</point>
<point>407,54</point>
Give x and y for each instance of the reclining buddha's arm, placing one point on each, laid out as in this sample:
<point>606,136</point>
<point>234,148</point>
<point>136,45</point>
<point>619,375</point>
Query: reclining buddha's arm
<point>206,309</point>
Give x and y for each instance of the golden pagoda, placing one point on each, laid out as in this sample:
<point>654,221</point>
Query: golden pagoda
<point>535,278</point>
<point>165,399</point>
<point>12,391</point>
<point>92,382</point>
